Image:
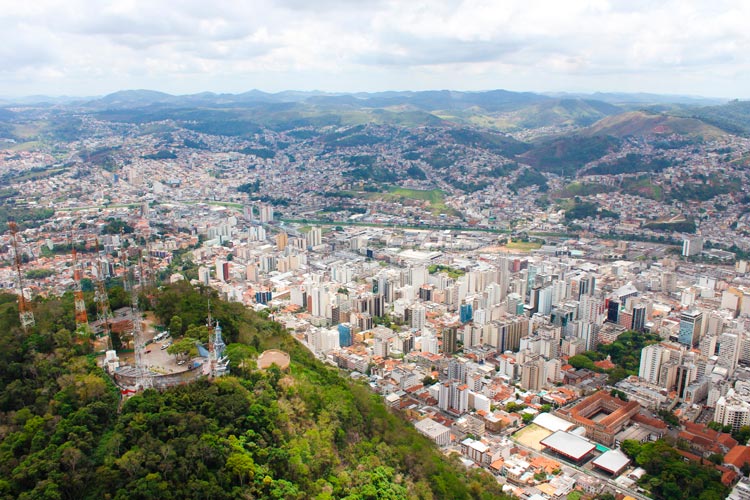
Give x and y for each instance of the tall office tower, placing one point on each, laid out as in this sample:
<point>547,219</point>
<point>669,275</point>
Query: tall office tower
<point>613,311</point>
<point>314,237</point>
<point>457,369</point>
<point>692,246</point>
<point>639,317</point>
<point>591,309</point>
<point>707,345</point>
<point>690,327</point>
<point>686,374</point>
<point>494,294</point>
<point>450,340</point>
<point>652,358</point>
<point>582,284</point>
<point>281,240</point>
<point>533,374</point>
<point>731,410</point>
<point>729,351</point>
<point>418,316</point>
<point>417,276</point>
<point>222,269</point>
<point>318,301</point>
<point>480,317</point>
<point>715,324</point>
<point>345,334</point>
<point>465,313</point>
<point>266,212</point>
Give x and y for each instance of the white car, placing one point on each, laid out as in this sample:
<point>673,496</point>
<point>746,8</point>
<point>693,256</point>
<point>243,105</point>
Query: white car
<point>165,346</point>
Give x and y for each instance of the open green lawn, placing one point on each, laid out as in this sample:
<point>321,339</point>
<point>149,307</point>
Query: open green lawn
<point>523,246</point>
<point>25,146</point>
<point>435,197</point>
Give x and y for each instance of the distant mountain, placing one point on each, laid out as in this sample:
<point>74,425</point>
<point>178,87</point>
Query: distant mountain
<point>641,124</point>
<point>734,116</point>
<point>132,99</point>
<point>561,112</point>
<point>642,98</point>
<point>568,154</point>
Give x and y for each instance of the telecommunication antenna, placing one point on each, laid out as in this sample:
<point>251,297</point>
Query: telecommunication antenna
<point>82,318</point>
<point>103,310</point>
<point>25,314</point>
<point>143,377</point>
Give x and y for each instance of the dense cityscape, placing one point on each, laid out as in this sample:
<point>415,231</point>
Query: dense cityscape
<point>552,304</point>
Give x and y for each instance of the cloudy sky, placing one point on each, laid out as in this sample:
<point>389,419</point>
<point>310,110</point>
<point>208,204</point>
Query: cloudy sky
<point>92,47</point>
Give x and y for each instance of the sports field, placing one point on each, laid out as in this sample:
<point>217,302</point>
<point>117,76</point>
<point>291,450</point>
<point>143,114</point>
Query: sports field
<point>531,435</point>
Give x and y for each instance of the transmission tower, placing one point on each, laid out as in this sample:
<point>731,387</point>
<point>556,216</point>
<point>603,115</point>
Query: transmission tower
<point>82,318</point>
<point>25,313</point>
<point>103,310</point>
<point>143,376</point>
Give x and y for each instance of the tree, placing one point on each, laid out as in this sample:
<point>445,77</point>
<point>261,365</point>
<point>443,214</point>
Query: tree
<point>175,325</point>
<point>183,348</point>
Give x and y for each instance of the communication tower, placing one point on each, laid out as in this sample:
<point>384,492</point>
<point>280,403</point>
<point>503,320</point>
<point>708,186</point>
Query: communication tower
<point>82,318</point>
<point>103,310</point>
<point>25,314</point>
<point>143,376</point>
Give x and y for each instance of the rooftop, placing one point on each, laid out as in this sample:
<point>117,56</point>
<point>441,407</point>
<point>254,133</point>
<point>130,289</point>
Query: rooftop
<point>612,461</point>
<point>569,445</point>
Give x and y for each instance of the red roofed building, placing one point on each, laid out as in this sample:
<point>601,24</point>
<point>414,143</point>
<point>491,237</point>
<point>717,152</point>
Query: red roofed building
<point>706,440</point>
<point>738,456</point>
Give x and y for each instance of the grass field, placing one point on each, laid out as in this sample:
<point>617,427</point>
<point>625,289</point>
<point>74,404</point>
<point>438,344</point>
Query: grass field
<point>531,435</point>
<point>434,197</point>
<point>523,246</point>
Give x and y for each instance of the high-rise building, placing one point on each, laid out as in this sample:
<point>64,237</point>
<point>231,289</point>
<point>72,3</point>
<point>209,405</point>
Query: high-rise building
<point>731,410</point>
<point>639,317</point>
<point>281,240</point>
<point>652,357</point>
<point>345,334</point>
<point>450,340</point>
<point>691,323</point>
<point>418,316</point>
<point>533,374</point>
<point>314,237</point>
<point>465,313</point>
<point>692,246</point>
<point>729,351</point>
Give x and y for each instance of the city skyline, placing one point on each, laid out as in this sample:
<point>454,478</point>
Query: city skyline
<point>688,48</point>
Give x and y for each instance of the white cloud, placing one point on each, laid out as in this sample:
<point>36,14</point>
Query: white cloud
<point>86,46</point>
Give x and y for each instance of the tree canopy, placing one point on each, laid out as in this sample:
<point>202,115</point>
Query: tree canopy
<point>308,433</point>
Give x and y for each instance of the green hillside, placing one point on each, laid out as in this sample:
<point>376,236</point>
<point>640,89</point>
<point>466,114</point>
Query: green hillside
<point>641,123</point>
<point>309,433</point>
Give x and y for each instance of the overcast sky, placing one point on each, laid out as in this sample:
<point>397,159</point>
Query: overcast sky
<point>86,47</point>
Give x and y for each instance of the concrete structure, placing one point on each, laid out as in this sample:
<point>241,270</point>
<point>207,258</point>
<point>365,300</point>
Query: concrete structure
<point>601,415</point>
<point>568,445</point>
<point>612,462</point>
<point>436,431</point>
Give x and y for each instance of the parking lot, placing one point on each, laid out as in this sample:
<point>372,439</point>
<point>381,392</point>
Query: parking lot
<point>158,359</point>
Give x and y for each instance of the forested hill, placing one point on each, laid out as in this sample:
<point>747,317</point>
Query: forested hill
<point>310,433</point>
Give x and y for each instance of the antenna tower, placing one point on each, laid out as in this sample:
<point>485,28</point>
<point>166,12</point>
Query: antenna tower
<point>143,377</point>
<point>103,310</point>
<point>82,318</point>
<point>25,314</point>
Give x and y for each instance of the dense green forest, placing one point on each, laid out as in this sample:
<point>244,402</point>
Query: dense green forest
<point>625,353</point>
<point>308,433</point>
<point>670,477</point>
